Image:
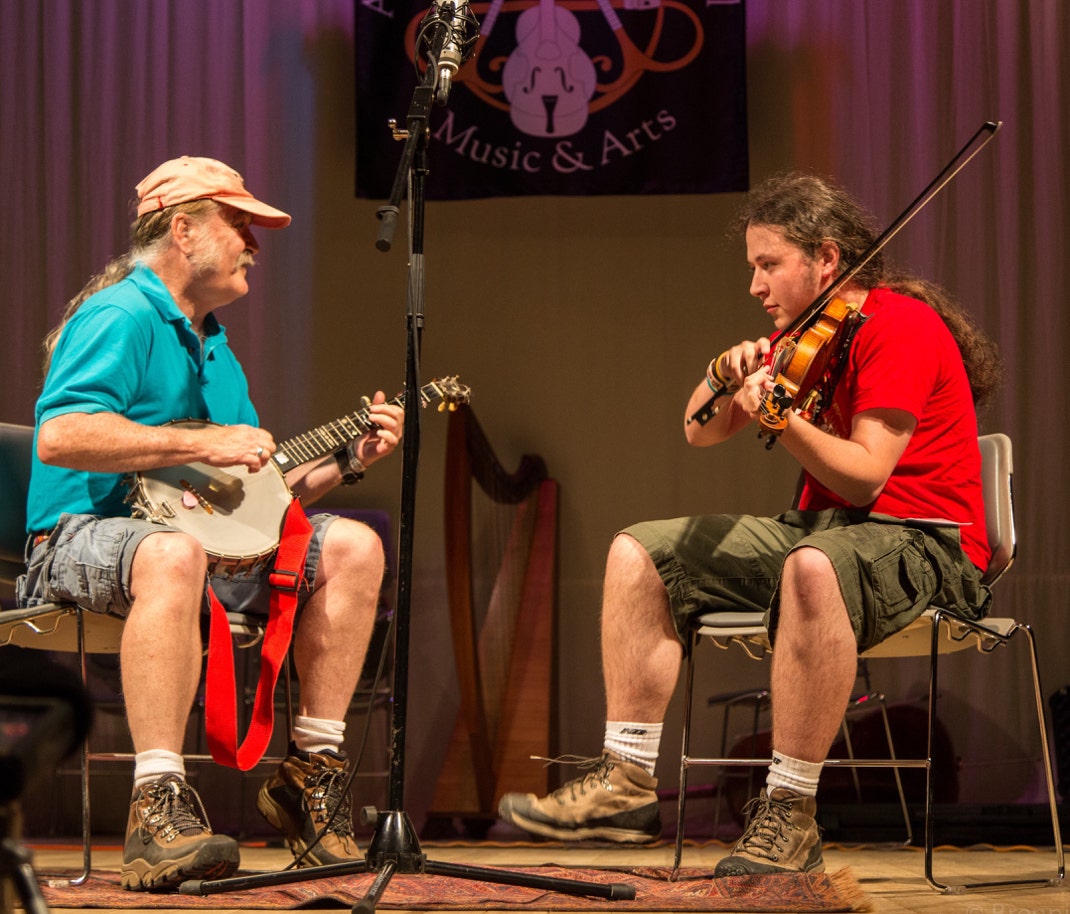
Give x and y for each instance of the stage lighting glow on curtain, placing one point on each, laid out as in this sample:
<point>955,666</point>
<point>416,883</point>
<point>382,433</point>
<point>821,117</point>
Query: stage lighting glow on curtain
<point>571,97</point>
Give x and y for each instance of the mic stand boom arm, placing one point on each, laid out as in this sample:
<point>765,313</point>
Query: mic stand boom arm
<point>415,136</point>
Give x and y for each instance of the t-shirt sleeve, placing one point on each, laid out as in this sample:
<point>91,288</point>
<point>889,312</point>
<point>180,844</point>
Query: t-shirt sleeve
<point>896,362</point>
<point>95,365</point>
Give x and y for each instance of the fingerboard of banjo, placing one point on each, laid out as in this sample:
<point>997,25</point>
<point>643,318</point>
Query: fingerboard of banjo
<point>328,438</point>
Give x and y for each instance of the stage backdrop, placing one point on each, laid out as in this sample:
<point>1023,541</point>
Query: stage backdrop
<point>562,97</point>
<point>581,323</point>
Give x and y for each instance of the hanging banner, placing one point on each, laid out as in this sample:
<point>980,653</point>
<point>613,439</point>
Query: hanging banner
<point>563,97</point>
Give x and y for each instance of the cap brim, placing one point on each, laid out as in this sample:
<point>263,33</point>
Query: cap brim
<point>263,215</point>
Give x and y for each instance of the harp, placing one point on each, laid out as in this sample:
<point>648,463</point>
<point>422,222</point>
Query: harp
<point>501,577</point>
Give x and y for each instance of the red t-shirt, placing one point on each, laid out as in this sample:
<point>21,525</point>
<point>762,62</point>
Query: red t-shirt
<point>904,357</point>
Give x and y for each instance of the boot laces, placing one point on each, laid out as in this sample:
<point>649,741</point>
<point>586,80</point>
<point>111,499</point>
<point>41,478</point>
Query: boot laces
<point>764,836</point>
<point>174,809</point>
<point>328,800</point>
<point>597,775</point>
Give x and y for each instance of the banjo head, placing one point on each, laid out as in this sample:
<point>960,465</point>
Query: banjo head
<point>235,514</point>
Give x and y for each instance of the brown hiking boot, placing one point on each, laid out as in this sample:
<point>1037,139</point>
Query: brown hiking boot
<point>307,798</point>
<point>169,840</point>
<point>615,801</point>
<point>782,837</point>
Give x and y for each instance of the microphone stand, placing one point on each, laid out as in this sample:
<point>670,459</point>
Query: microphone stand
<point>394,847</point>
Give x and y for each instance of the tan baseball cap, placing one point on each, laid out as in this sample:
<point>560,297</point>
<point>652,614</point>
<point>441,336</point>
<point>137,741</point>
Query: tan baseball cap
<point>194,178</point>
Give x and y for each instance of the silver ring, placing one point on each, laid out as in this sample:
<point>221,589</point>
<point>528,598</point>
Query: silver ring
<point>259,452</point>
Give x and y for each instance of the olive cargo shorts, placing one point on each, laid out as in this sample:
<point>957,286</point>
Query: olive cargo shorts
<point>889,570</point>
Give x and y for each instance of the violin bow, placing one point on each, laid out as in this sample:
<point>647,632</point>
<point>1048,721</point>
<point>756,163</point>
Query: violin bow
<point>960,160</point>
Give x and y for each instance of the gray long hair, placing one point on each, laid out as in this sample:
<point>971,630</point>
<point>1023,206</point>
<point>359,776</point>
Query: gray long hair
<point>149,235</point>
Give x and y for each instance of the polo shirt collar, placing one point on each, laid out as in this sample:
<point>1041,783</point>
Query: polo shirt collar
<point>156,292</point>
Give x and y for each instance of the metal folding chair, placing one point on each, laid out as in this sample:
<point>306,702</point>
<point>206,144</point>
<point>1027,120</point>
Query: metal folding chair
<point>937,631</point>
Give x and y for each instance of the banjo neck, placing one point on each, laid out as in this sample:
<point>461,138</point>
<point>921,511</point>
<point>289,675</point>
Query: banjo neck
<point>328,438</point>
<point>237,515</point>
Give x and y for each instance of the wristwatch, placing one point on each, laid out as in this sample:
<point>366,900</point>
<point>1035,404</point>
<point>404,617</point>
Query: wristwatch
<point>349,464</point>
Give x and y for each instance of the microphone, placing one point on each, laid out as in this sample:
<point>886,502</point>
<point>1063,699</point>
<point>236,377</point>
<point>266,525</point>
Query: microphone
<point>450,31</point>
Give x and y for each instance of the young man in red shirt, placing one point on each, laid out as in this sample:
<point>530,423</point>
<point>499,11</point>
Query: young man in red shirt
<point>890,520</point>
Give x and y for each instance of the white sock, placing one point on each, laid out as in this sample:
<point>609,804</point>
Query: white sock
<point>314,734</point>
<point>794,774</point>
<point>156,764</point>
<point>634,742</point>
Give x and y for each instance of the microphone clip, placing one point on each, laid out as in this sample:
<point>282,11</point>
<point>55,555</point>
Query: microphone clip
<point>447,38</point>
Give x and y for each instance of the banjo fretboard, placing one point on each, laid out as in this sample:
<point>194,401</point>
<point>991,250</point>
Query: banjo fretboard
<point>332,436</point>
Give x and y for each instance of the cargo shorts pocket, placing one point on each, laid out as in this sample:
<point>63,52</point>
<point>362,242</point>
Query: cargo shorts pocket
<point>82,565</point>
<point>903,583</point>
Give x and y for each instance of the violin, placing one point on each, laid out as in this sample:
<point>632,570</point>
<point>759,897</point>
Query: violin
<point>548,79</point>
<point>810,354</point>
<point>807,366</point>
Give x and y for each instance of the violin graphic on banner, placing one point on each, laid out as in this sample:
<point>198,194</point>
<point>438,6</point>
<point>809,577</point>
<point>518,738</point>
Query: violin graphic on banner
<point>571,57</point>
<point>548,79</point>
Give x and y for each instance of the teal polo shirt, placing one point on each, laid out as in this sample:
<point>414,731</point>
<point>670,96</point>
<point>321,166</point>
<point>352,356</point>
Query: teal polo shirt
<point>130,350</point>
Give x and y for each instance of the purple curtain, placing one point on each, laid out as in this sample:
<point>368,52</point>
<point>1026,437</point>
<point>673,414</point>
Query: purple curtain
<point>94,93</point>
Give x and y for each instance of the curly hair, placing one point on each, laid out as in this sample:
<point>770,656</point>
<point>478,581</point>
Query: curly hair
<point>810,211</point>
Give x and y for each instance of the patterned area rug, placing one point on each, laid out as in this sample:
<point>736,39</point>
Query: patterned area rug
<point>694,890</point>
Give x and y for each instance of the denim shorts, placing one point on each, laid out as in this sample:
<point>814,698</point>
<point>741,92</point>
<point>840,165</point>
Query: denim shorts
<point>87,560</point>
<point>889,571</point>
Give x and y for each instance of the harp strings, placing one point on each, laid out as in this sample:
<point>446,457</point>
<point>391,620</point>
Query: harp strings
<point>500,552</point>
<point>500,555</point>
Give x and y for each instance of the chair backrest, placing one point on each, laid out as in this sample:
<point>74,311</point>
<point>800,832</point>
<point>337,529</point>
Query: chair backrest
<point>16,443</point>
<point>997,477</point>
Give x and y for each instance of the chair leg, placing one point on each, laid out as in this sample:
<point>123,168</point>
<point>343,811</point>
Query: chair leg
<point>895,771</point>
<point>83,772</point>
<point>87,838</point>
<point>758,699</point>
<point>938,619</point>
<point>685,746</point>
<point>1042,732</point>
<point>845,729</point>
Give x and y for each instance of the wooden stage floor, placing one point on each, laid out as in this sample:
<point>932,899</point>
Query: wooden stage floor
<point>893,878</point>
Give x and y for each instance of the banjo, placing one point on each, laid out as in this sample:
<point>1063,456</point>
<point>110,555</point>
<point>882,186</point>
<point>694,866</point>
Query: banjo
<point>237,515</point>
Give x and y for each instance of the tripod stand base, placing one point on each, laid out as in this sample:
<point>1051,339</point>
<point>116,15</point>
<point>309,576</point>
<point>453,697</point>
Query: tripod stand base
<point>395,849</point>
<point>17,877</point>
<point>394,842</point>
<point>612,891</point>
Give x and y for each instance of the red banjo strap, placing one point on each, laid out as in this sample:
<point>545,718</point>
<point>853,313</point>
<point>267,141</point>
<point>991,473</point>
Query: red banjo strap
<point>220,690</point>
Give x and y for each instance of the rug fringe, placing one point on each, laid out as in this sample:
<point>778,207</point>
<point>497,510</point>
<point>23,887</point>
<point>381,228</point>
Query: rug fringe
<point>845,883</point>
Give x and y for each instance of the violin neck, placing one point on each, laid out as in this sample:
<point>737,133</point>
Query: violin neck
<point>814,310</point>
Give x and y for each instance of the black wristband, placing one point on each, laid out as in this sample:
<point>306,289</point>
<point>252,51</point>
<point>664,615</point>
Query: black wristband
<point>350,474</point>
